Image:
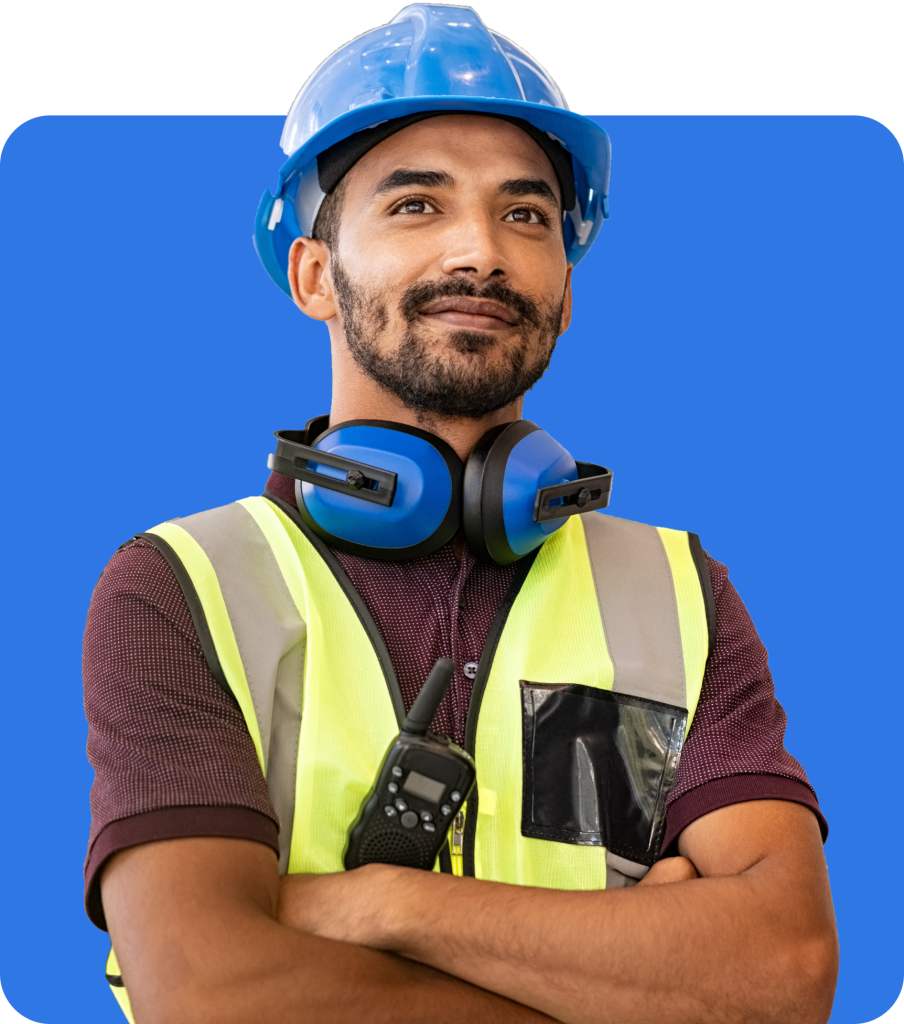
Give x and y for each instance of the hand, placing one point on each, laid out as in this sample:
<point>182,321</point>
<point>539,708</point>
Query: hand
<point>669,869</point>
<point>348,906</point>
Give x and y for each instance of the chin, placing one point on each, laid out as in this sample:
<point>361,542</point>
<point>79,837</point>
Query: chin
<point>477,343</point>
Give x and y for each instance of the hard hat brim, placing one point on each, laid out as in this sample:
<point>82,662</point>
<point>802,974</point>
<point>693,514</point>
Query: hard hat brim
<point>587,142</point>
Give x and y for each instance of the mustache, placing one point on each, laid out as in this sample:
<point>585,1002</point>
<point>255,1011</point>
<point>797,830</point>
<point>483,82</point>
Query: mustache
<point>526,310</point>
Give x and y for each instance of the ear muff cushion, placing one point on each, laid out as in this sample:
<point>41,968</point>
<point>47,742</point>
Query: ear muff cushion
<point>425,513</point>
<point>472,493</point>
<point>482,513</point>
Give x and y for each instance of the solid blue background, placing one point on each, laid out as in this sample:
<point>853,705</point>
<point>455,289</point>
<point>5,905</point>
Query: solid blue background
<point>734,357</point>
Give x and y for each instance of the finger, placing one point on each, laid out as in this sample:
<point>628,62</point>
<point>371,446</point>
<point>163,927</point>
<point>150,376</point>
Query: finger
<point>670,869</point>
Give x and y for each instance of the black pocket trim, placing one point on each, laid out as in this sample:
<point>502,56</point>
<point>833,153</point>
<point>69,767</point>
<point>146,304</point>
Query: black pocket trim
<point>598,767</point>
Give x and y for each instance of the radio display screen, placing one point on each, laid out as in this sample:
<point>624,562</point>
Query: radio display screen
<point>427,789</point>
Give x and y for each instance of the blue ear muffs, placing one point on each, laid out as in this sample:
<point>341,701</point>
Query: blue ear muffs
<point>374,488</point>
<point>393,492</point>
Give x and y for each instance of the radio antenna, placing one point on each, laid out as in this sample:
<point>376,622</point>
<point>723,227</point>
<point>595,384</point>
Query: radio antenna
<point>428,700</point>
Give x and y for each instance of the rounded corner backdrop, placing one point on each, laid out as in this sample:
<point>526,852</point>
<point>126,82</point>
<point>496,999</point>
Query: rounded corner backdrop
<point>734,358</point>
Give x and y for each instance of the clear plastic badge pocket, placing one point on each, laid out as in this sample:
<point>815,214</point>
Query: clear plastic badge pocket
<point>598,767</point>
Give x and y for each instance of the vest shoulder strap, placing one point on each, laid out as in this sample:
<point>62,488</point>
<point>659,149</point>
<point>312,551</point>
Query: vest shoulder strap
<point>655,606</point>
<point>235,567</point>
<point>637,605</point>
<point>195,608</point>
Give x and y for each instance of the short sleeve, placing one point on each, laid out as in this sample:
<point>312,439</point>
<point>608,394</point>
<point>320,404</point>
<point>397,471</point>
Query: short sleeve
<point>735,747</point>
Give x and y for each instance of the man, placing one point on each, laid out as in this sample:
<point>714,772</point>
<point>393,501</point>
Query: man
<point>245,668</point>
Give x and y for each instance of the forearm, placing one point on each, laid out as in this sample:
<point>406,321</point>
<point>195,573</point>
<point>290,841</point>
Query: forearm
<point>752,941</point>
<point>695,951</point>
<point>284,976</point>
<point>194,926</point>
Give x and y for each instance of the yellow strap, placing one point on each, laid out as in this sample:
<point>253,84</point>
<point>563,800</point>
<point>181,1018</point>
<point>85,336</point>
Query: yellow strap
<point>691,613</point>
<point>456,841</point>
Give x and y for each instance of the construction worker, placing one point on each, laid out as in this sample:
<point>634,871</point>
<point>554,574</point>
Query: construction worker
<point>638,845</point>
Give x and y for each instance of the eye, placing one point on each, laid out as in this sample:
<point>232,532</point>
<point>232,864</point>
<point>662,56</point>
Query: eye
<point>524,215</point>
<point>415,206</point>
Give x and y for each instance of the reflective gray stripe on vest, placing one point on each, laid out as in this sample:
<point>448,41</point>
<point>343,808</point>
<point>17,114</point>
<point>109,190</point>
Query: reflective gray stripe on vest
<point>639,610</point>
<point>271,638</point>
<point>638,607</point>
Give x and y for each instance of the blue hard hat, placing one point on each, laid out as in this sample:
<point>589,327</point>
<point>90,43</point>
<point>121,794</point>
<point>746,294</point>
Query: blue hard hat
<point>430,57</point>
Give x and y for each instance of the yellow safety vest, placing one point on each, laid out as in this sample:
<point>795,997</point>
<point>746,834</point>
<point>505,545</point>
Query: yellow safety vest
<point>607,610</point>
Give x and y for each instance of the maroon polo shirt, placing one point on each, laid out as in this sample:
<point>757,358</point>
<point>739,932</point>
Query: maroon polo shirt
<point>173,758</point>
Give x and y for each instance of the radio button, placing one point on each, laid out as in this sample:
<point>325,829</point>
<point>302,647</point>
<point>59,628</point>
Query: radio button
<point>428,826</point>
<point>445,810</point>
<point>393,787</point>
<point>455,796</point>
<point>401,805</point>
<point>426,816</point>
<point>389,811</point>
<point>397,771</point>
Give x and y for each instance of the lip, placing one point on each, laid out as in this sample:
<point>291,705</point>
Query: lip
<point>466,311</point>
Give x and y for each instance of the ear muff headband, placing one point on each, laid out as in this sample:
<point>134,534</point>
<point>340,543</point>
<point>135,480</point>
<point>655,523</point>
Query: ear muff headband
<point>344,508</point>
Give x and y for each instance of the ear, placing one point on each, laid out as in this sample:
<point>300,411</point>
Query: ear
<point>311,287</point>
<point>566,301</point>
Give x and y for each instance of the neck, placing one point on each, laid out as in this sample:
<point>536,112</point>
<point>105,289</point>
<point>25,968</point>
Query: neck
<point>357,397</point>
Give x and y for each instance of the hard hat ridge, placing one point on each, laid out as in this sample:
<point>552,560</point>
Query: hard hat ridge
<point>430,59</point>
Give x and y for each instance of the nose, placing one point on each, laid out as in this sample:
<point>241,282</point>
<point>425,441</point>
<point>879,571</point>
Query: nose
<point>473,250</point>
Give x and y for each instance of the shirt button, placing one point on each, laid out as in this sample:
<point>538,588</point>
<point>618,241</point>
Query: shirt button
<point>470,669</point>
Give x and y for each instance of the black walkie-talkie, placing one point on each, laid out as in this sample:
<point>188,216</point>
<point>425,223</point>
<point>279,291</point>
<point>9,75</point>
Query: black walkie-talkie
<point>423,782</point>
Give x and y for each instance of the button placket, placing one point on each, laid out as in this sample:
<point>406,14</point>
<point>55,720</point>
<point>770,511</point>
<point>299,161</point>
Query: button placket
<point>460,657</point>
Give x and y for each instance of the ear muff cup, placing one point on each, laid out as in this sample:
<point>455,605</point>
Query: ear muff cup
<point>501,479</point>
<point>426,511</point>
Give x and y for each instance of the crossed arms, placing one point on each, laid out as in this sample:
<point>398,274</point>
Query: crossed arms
<point>206,931</point>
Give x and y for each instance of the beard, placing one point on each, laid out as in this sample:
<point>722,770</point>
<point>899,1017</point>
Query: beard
<point>466,385</point>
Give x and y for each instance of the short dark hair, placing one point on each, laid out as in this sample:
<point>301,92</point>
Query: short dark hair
<point>326,225</point>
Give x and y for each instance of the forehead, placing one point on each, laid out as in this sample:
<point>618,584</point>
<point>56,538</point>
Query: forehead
<point>467,145</point>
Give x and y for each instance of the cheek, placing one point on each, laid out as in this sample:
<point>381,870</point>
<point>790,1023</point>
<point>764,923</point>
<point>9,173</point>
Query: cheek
<point>412,257</point>
<point>387,259</point>
<point>381,276</point>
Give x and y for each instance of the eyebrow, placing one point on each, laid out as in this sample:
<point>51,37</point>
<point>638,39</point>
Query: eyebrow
<point>442,179</point>
<point>405,179</point>
<point>529,187</point>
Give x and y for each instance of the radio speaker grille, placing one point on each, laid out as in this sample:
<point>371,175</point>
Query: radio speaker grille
<point>387,846</point>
